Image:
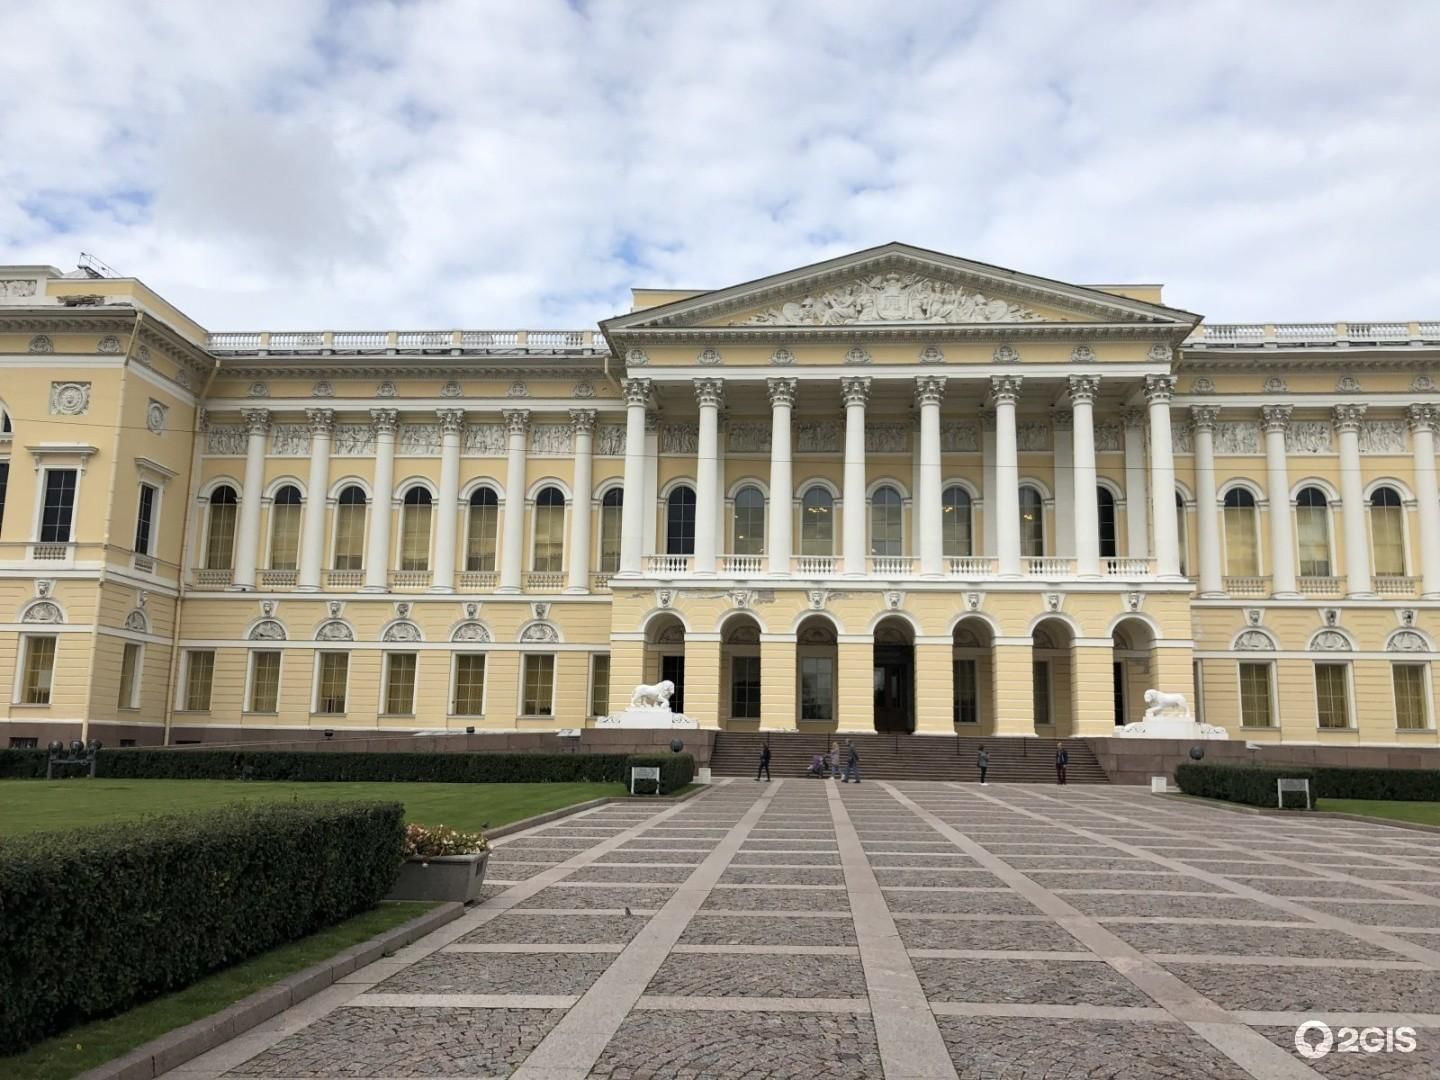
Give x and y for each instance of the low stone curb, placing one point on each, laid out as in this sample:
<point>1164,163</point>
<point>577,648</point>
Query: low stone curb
<point>1275,811</point>
<point>175,1048</point>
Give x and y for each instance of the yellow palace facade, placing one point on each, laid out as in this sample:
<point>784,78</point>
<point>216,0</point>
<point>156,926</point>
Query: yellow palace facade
<point>896,491</point>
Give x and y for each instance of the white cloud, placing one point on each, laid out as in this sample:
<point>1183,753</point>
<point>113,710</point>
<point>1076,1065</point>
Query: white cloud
<point>448,163</point>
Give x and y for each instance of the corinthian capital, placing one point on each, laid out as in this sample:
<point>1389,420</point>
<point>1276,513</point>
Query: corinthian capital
<point>322,421</point>
<point>1276,417</point>
<point>782,392</point>
<point>1204,417</point>
<point>583,421</point>
<point>517,421</point>
<point>1423,417</point>
<point>637,391</point>
<point>1159,388</point>
<point>855,390</point>
<point>709,392</point>
<point>1348,417</point>
<point>1006,387</point>
<point>257,421</point>
<point>452,421</point>
<point>929,389</point>
<point>386,421</point>
<point>1083,388</point>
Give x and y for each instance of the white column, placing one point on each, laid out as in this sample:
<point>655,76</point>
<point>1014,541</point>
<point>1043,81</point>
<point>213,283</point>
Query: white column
<point>452,423</point>
<point>1063,459</point>
<point>1352,498</point>
<point>377,557</point>
<point>1207,510</point>
<point>929,392</point>
<point>1275,419</point>
<point>1423,419</point>
<point>633,504</point>
<point>247,539</point>
<point>855,392</point>
<point>652,541</point>
<point>312,527</point>
<point>708,393</point>
<point>1083,389</point>
<point>1137,499</point>
<point>583,422</point>
<point>1159,389</point>
<point>987,480</point>
<point>1005,390</point>
<point>782,484</point>
<point>512,551</point>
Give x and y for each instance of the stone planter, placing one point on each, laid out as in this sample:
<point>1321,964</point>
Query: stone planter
<point>443,877</point>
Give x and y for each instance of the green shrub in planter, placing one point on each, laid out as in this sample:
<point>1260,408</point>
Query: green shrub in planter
<point>676,770</point>
<point>1253,785</point>
<point>95,921</point>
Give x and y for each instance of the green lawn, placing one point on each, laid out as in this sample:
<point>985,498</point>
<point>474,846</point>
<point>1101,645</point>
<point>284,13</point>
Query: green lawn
<point>35,805</point>
<point>1426,813</point>
<point>93,1044</point>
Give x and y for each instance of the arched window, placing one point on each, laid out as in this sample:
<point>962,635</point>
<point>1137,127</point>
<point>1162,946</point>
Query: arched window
<point>749,522</point>
<point>817,522</point>
<point>220,539</point>
<point>5,428</point>
<point>680,522</point>
<point>886,531</point>
<point>955,522</point>
<point>350,529</point>
<point>1032,523</point>
<point>549,531</point>
<point>612,523</point>
<point>1312,532</point>
<point>285,529</point>
<point>1181,539</point>
<point>1242,549</point>
<point>1387,530</point>
<point>480,529</point>
<point>415,529</point>
<point>1105,502</point>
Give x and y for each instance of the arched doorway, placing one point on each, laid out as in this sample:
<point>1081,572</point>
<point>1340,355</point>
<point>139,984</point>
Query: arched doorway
<point>817,666</point>
<point>894,676</point>
<point>1050,647</point>
<point>973,657</point>
<point>1132,642</point>
<point>665,656</point>
<point>740,685</point>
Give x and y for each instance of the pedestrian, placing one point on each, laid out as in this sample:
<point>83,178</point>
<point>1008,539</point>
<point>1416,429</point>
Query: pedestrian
<point>982,762</point>
<point>834,760</point>
<point>764,763</point>
<point>852,762</point>
<point>1062,758</point>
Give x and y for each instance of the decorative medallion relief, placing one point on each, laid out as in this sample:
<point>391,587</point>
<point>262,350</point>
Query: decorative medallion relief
<point>155,416</point>
<point>1275,385</point>
<point>1407,641</point>
<point>267,630</point>
<point>1082,354</point>
<point>471,631</point>
<point>335,630</point>
<point>1254,641</point>
<point>583,389</point>
<point>451,390</point>
<point>891,297</point>
<point>518,389</point>
<point>540,632</point>
<point>258,389</point>
<point>1309,437</point>
<point>857,355</point>
<point>290,440</point>
<point>41,344</point>
<point>385,389</point>
<point>109,345</point>
<point>322,389</point>
<point>43,611</point>
<point>402,631</point>
<point>1330,641</point>
<point>782,357</point>
<point>636,358</point>
<point>932,354</point>
<point>69,398</point>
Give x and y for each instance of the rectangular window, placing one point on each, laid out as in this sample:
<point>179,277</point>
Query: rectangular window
<point>264,682</point>
<point>1332,695</point>
<point>199,674</point>
<point>330,685</point>
<point>130,676</point>
<point>1257,705</point>
<point>127,742</point>
<point>39,671</point>
<point>285,535</point>
<point>24,742</point>
<point>1040,674</point>
<point>4,484</point>
<point>414,536</point>
<point>745,687</point>
<point>399,684</point>
<point>145,520</point>
<point>967,696</point>
<point>550,538</point>
<point>600,684</point>
<point>539,697</point>
<point>817,688</point>
<point>349,536</point>
<point>1410,697</point>
<point>469,685</point>
<point>58,511</point>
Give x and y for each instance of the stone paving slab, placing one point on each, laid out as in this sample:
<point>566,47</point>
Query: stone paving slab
<point>954,900</point>
<point>1242,940</point>
<point>632,875</point>
<point>940,860</point>
<point>1127,883</point>
<point>1209,907</point>
<point>742,899</point>
<point>1052,982</point>
<point>1314,887</point>
<point>486,973</point>
<point>768,930</point>
<point>752,975</point>
<point>689,858</point>
<point>797,858</point>
<point>1416,915</point>
<point>960,876</point>
<point>1311,990</point>
<point>782,875</point>
<point>599,896</point>
<point>1423,1061</point>
<point>978,934</point>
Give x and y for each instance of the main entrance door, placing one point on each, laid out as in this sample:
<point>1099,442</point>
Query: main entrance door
<point>672,668</point>
<point>894,690</point>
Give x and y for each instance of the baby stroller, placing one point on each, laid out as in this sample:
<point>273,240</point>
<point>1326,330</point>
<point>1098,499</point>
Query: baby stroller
<point>817,767</point>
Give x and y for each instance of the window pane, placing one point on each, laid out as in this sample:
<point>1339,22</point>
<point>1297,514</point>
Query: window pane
<point>264,682</point>
<point>415,531</point>
<point>1312,532</point>
<point>350,530</point>
<point>334,672</point>
<point>1032,523</point>
<point>549,555</point>
<point>481,531</point>
<point>955,522</point>
<point>399,684</point>
<point>4,485</point>
<point>1255,704</point>
<point>1040,676</point>
<point>1180,536</point>
<point>144,519</point>
<point>129,671</point>
<point>469,685</point>
<point>200,671</point>
<point>1242,556</point>
<point>600,684</point>
<point>612,516</point>
<point>220,540</point>
<point>1332,701</point>
<point>1410,710</point>
<point>680,522</point>
<point>1109,545</point>
<point>817,523</point>
<point>59,508</point>
<point>1387,527</point>
<point>539,686</point>
<point>817,688</point>
<point>745,687</point>
<point>885,527</point>
<point>39,670</point>
<point>285,530</point>
<point>967,697</point>
<point>749,522</point>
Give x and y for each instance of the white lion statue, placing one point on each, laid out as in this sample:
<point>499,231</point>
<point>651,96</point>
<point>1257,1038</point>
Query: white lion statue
<point>653,697</point>
<point>1159,702</point>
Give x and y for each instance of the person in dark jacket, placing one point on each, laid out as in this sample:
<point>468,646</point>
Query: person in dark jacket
<point>982,762</point>
<point>1062,758</point>
<point>852,762</point>
<point>764,762</point>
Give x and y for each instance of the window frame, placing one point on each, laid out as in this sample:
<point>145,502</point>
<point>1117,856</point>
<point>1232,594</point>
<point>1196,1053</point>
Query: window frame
<point>1039,521</point>
<point>42,493</point>
<point>898,508</point>
<point>492,508</point>
<point>833,663</point>
<point>1427,717</point>
<point>1256,540</point>
<point>759,685</point>
<point>821,492</point>
<point>146,521</point>
<point>617,510</point>
<point>183,704</point>
<point>320,655</point>
<point>1406,563</point>
<point>526,659</point>
<point>1323,513</point>
<point>968,503</point>
<point>564,509</point>
<point>671,505</point>
<point>957,711</point>
<point>755,540</point>
<point>366,508</point>
<point>209,515</point>
<point>455,659</point>
<point>1036,697</point>
<point>1344,667</point>
<point>595,659</point>
<point>251,663</point>
<point>1106,502</point>
<point>1272,696</point>
<point>136,675</point>
<point>409,509</point>
<point>20,689</point>
<point>387,681</point>
<point>299,512</point>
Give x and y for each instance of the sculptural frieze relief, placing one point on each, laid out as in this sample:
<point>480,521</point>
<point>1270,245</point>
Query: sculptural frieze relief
<point>610,440</point>
<point>290,440</point>
<point>1237,437</point>
<point>353,440</point>
<point>679,438</point>
<point>748,436</point>
<point>890,297</point>
<point>419,440</point>
<point>551,439</point>
<point>1032,435</point>
<point>1109,436</point>
<point>14,288</point>
<point>1309,437</point>
<point>959,437</point>
<point>886,439</point>
<point>227,440</point>
<point>1180,440</point>
<point>818,436</point>
<point>485,440</point>
<point>1382,437</point>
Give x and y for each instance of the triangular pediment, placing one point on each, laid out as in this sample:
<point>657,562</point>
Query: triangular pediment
<point>898,285</point>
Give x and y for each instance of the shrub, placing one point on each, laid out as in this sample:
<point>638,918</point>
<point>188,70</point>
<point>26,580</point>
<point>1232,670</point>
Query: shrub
<point>95,921</point>
<point>676,770</point>
<point>430,842</point>
<point>1403,785</point>
<point>1253,785</point>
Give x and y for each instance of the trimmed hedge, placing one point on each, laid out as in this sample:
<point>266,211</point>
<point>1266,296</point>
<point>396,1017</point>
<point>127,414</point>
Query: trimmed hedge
<point>1253,785</point>
<point>676,770</point>
<point>95,921</point>
<point>1401,785</point>
<point>457,768</point>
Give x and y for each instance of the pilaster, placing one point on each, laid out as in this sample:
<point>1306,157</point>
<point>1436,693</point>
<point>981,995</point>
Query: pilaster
<point>1014,689</point>
<point>779,682</point>
<point>934,688</point>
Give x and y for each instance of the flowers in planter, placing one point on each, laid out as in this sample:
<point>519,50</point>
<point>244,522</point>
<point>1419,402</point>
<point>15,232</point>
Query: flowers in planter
<point>429,842</point>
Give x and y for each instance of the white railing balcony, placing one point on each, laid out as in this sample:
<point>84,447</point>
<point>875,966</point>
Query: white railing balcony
<point>278,579</point>
<point>1048,566</point>
<point>1319,585</point>
<point>742,564</point>
<point>423,339</point>
<point>478,580</point>
<point>1377,331</point>
<point>667,565</point>
<point>544,580</point>
<point>143,563</point>
<point>348,340</point>
<point>970,566</point>
<point>1247,585</point>
<point>600,581</point>
<point>344,579</point>
<point>409,580</point>
<point>815,565</point>
<point>50,552</point>
<point>489,339</point>
<point>1395,585</point>
<point>1127,567</point>
<point>892,565</point>
<point>292,341</point>
<point>1233,334</point>
<point>247,341</point>
<point>212,579</point>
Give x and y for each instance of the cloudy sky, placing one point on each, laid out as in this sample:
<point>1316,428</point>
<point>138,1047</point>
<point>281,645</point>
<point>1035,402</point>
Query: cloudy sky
<point>469,163</point>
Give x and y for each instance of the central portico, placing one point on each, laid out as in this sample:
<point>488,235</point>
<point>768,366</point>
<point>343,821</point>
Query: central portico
<point>901,491</point>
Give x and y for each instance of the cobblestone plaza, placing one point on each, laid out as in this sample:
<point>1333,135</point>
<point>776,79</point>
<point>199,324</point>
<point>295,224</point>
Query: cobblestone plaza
<point>809,929</point>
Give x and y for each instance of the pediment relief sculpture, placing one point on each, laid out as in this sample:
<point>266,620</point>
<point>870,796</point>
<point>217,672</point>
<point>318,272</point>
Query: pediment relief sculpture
<point>890,297</point>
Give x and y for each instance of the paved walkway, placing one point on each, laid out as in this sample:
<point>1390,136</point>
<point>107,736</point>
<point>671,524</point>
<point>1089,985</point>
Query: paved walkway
<point>804,928</point>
